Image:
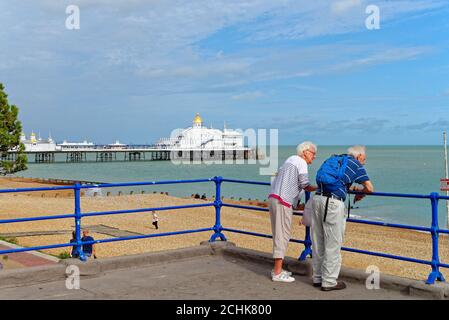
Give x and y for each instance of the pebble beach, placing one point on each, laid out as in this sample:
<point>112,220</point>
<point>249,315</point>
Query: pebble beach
<point>374,238</point>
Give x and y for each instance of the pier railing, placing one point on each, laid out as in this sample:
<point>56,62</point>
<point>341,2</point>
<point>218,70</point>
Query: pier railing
<point>218,230</point>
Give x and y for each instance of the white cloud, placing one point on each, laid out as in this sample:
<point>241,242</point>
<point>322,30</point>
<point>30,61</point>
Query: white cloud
<point>342,6</point>
<point>306,19</point>
<point>251,95</point>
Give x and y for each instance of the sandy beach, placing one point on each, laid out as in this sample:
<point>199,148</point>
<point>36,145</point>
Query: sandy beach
<point>381,239</point>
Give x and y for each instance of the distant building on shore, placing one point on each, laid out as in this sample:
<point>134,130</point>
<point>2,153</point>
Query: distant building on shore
<point>199,136</point>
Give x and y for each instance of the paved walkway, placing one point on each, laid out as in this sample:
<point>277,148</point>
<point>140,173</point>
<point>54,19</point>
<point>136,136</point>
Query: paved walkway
<point>98,228</point>
<point>23,259</point>
<point>203,277</point>
<point>32,259</point>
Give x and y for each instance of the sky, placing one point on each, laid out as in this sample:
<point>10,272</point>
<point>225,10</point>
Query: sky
<point>137,69</point>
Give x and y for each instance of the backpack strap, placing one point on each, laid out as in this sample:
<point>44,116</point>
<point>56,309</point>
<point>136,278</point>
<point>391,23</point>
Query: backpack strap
<point>325,210</point>
<point>349,204</point>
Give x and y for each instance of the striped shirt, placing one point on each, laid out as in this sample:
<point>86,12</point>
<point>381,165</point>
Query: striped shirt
<point>355,172</point>
<point>291,178</point>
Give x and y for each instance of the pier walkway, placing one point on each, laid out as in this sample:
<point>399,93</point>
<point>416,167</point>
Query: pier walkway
<point>209,271</point>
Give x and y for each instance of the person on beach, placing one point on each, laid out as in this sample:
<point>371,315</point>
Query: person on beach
<point>291,178</point>
<point>155,220</point>
<point>74,252</point>
<point>334,179</point>
<point>88,249</point>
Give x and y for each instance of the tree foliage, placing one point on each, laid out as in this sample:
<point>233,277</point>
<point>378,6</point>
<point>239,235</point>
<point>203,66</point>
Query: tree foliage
<point>10,131</point>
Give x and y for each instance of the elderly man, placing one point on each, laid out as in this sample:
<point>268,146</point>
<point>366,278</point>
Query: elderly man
<point>290,180</point>
<point>334,178</point>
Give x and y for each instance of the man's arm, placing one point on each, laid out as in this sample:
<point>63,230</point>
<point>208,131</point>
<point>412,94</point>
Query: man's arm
<point>367,188</point>
<point>310,188</point>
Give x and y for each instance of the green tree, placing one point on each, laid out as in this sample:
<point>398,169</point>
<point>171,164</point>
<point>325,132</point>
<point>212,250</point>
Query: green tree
<point>10,131</point>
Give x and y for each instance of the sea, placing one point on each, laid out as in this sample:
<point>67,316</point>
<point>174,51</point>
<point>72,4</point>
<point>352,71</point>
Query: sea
<point>395,169</point>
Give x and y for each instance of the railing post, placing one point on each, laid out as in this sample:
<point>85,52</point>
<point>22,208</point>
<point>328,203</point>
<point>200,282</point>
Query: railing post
<point>307,241</point>
<point>79,247</point>
<point>435,274</point>
<point>217,204</point>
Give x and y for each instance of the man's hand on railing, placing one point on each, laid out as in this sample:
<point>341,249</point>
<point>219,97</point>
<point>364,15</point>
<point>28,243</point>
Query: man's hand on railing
<point>359,197</point>
<point>367,188</point>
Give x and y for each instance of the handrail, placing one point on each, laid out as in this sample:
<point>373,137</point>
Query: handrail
<point>218,229</point>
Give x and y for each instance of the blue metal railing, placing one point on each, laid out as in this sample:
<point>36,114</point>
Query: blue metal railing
<point>218,229</point>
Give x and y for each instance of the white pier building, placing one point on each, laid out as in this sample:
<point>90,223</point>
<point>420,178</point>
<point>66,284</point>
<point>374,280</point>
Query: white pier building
<point>37,144</point>
<point>199,136</point>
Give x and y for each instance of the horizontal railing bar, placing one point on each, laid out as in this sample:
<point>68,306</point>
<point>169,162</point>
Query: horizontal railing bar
<point>61,216</point>
<point>300,213</point>
<point>145,183</point>
<point>103,213</point>
<point>352,192</point>
<point>248,233</point>
<point>247,182</point>
<point>245,207</point>
<point>392,225</point>
<point>386,255</point>
<point>53,246</point>
<point>17,190</point>
<point>152,235</point>
<point>396,195</point>
<point>296,213</point>
<point>257,234</point>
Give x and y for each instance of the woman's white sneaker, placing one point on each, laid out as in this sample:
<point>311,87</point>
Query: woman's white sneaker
<point>282,277</point>
<point>287,272</point>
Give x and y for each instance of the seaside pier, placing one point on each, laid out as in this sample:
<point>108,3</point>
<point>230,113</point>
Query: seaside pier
<point>195,143</point>
<point>132,153</point>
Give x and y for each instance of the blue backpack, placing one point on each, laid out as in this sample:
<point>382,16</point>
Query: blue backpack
<point>330,175</point>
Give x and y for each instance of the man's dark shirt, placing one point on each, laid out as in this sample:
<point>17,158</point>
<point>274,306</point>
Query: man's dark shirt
<point>87,248</point>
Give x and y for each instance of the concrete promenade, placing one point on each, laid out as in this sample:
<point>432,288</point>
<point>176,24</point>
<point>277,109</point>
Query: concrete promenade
<point>209,271</point>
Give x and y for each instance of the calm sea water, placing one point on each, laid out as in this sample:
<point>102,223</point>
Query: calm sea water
<point>399,169</point>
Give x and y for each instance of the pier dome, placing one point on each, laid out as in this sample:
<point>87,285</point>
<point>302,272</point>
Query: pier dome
<point>197,121</point>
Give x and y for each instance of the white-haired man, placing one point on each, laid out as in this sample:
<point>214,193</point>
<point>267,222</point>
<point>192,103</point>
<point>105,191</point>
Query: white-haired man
<point>334,178</point>
<point>291,178</point>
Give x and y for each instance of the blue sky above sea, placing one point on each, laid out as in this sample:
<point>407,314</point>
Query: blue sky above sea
<point>137,69</point>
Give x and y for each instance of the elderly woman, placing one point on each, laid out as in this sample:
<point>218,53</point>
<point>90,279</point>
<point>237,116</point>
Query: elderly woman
<point>291,179</point>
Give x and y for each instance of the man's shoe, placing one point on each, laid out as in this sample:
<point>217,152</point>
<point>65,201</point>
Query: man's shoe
<point>339,286</point>
<point>282,277</point>
<point>317,284</point>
